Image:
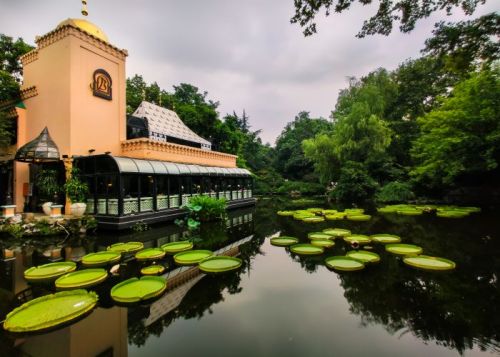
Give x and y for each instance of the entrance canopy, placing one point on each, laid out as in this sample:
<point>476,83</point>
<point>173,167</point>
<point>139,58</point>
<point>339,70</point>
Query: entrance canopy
<point>41,149</point>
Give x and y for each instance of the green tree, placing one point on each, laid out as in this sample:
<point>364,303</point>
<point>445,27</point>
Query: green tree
<point>461,138</point>
<point>407,13</point>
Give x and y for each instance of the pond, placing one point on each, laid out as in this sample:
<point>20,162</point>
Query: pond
<point>280,303</point>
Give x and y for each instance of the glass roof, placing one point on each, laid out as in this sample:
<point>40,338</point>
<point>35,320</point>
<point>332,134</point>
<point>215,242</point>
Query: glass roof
<point>41,149</point>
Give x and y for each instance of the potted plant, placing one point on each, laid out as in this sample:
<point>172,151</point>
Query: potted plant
<point>77,191</point>
<point>48,186</point>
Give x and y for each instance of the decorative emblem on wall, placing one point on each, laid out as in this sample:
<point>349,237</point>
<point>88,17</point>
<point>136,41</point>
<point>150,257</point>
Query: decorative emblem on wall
<point>102,84</point>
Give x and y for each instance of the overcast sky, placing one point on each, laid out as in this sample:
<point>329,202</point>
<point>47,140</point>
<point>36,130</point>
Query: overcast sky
<point>245,54</point>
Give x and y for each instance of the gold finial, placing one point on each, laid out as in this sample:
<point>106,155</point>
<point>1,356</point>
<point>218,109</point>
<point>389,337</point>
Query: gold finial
<point>84,8</point>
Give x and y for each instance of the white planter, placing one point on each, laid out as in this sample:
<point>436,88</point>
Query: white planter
<point>78,209</point>
<point>46,208</point>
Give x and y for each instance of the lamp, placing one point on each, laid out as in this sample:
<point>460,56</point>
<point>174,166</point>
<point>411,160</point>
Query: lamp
<point>91,151</point>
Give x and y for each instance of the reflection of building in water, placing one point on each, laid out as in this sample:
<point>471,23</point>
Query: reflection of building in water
<point>102,333</point>
<point>181,280</point>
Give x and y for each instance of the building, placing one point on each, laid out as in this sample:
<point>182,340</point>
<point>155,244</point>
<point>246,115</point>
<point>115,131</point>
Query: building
<point>141,167</point>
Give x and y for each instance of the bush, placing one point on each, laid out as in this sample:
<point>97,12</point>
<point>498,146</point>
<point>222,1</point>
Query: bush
<point>305,188</point>
<point>395,192</point>
<point>75,189</point>
<point>205,208</point>
<point>354,185</point>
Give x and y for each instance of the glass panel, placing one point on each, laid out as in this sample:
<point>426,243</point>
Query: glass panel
<point>126,165</point>
<point>195,185</point>
<point>144,166</point>
<point>130,194</point>
<point>161,192</point>
<point>158,167</point>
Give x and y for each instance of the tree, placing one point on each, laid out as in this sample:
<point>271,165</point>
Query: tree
<point>406,12</point>
<point>461,138</point>
<point>10,52</point>
<point>290,159</point>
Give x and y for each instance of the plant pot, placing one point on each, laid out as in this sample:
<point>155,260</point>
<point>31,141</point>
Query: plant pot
<point>78,209</point>
<point>46,208</point>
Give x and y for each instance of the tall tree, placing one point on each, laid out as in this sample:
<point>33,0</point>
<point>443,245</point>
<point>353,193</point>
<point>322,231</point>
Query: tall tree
<point>406,12</point>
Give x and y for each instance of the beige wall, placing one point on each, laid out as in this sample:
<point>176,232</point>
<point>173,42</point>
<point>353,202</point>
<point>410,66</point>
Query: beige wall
<point>21,169</point>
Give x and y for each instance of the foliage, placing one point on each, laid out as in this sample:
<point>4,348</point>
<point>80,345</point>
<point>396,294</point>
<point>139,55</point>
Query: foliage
<point>290,159</point>
<point>205,208</point>
<point>354,185</point>
<point>15,230</point>
<point>267,181</point>
<point>304,188</point>
<point>47,183</point>
<point>395,192</point>
<point>5,129</point>
<point>466,44</point>
<point>462,136</point>
<point>10,51</point>
<point>140,226</point>
<point>75,189</point>
<point>407,13</point>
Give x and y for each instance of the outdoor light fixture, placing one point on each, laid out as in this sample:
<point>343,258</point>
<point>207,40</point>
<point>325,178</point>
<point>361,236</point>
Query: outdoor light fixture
<point>91,151</point>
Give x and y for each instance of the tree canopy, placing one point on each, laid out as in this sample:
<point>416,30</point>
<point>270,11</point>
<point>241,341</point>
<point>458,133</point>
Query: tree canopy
<point>404,12</point>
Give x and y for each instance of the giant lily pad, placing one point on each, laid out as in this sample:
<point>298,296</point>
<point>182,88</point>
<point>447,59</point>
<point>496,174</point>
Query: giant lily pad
<point>364,256</point>
<point>150,254</point>
<point>153,270</point>
<point>429,263</point>
<point>101,258</point>
<point>313,219</point>
<point>385,238</point>
<point>325,243</point>
<point>354,211</point>
<point>359,217</point>
<point>48,272</point>
<point>286,213</point>
<point>135,290</point>
<point>403,249</point>
<point>360,238</point>
<point>337,232</point>
<point>452,214</point>
<point>306,249</point>
<point>335,217</point>
<point>284,241</point>
<point>319,235</point>
<point>220,264</point>
<point>344,263</point>
<point>126,248</point>
<point>50,311</point>
<point>410,212</point>
<point>81,279</point>
<point>176,247</point>
<point>192,257</point>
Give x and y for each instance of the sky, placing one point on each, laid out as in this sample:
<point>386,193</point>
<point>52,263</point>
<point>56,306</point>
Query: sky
<point>245,54</point>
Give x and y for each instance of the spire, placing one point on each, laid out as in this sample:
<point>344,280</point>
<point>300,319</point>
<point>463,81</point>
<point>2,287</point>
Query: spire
<point>84,8</point>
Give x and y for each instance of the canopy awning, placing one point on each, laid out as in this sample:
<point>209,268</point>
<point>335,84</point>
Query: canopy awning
<point>41,149</point>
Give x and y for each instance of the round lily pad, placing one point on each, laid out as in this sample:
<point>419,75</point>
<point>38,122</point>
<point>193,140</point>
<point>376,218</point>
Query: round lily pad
<point>364,256</point>
<point>48,272</point>
<point>81,279</point>
<point>101,258</point>
<point>319,235</point>
<point>410,212</point>
<point>306,249</point>
<point>360,238</point>
<point>337,232</point>
<point>135,290</point>
<point>301,216</point>
<point>325,243</point>
<point>125,248</point>
<point>286,213</point>
<point>354,211</point>
<point>403,249</point>
<point>313,219</point>
<point>359,217</point>
<point>334,217</point>
<point>284,241</point>
<point>343,263</point>
<point>385,238</point>
<point>153,270</point>
<point>315,210</point>
<point>329,211</point>
<point>50,311</point>
<point>192,257</point>
<point>452,214</point>
<point>150,254</point>
<point>176,247</point>
<point>429,263</point>
<point>220,264</point>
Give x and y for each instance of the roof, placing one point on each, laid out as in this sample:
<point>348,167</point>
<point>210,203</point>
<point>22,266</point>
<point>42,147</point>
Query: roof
<point>165,123</point>
<point>86,26</point>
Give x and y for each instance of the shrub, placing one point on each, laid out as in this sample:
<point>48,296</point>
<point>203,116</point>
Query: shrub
<point>395,192</point>
<point>305,188</point>
<point>205,208</point>
<point>75,189</point>
<point>354,185</point>
<point>47,183</point>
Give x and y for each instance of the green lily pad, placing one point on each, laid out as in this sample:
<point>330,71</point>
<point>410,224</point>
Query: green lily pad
<point>284,241</point>
<point>360,238</point>
<point>306,249</point>
<point>153,270</point>
<point>81,279</point>
<point>315,210</point>
<point>385,238</point>
<point>354,211</point>
<point>327,212</point>
<point>176,247</point>
<point>220,264</point>
<point>313,219</point>
<point>335,217</point>
<point>410,212</point>
<point>125,248</point>
<point>101,258</point>
<point>429,263</point>
<point>319,235</point>
<point>192,257</point>
<point>337,232</point>
<point>343,263</point>
<point>452,214</point>
<point>48,272</point>
<point>325,243</point>
<point>403,249</point>
<point>50,311</point>
<point>359,217</point>
<point>150,254</point>
<point>286,213</point>
<point>364,256</point>
<point>135,290</point>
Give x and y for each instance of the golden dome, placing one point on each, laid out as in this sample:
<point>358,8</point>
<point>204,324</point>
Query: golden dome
<point>86,26</point>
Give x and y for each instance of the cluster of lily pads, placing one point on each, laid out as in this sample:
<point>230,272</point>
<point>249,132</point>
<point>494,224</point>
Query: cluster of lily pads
<point>73,304</point>
<point>440,210</point>
<point>357,259</point>
<point>316,215</point>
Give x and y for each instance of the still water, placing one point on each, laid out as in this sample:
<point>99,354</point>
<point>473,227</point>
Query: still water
<point>282,304</point>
